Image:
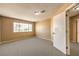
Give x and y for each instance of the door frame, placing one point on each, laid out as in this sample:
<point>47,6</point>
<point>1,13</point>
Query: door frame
<point>67,28</point>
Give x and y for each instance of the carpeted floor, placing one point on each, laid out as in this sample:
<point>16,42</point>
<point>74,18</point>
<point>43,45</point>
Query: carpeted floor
<point>29,47</point>
<point>74,49</point>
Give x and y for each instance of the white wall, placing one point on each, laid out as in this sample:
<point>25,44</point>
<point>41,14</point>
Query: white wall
<point>43,29</point>
<point>59,28</point>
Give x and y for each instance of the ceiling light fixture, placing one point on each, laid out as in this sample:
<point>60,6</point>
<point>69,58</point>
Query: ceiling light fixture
<point>77,8</point>
<point>39,12</point>
<point>43,11</point>
<point>36,12</point>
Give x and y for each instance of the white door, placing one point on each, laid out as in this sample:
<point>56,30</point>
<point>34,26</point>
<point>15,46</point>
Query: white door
<point>59,32</point>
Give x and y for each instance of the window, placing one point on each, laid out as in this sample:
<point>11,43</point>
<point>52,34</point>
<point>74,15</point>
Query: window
<point>30,27</point>
<point>22,27</point>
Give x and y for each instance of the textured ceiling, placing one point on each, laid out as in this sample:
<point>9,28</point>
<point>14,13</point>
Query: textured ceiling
<point>25,11</point>
<point>74,11</point>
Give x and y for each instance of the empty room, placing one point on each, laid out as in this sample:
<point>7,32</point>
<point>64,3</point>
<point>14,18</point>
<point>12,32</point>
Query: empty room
<point>35,29</point>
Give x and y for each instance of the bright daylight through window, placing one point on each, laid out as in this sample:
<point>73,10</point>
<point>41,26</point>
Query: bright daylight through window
<point>22,27</point>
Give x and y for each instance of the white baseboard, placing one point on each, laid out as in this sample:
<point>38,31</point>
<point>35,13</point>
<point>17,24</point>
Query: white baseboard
<point>8,41</point>
<point>3,42</point>
<point>45,39</point>
<point>21,39</point>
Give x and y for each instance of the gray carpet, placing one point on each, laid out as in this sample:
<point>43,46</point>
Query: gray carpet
<point>74,49</point>
<point>29,47</point>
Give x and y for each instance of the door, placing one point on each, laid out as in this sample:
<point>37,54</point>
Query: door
<point>59,32</point>
<point>77,30</point>
<point>0,30</point>
<point>73,30</point>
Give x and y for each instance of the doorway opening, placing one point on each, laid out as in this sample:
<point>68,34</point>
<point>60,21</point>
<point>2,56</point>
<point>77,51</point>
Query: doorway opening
<point>72,28</point>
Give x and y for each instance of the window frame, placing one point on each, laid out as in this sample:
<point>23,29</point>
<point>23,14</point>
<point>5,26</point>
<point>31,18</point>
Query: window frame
<point>21,27</point>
